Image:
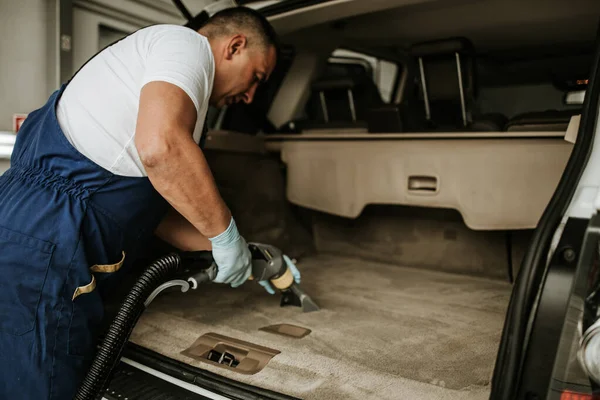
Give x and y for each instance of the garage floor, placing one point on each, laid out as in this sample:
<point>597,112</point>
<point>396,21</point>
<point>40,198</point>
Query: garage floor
<point>384,332</point>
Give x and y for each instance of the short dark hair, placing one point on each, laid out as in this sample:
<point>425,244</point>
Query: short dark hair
<point>231,21</point>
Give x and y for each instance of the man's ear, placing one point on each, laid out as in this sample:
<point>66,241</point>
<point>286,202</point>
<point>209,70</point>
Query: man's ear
<point>236,44</point>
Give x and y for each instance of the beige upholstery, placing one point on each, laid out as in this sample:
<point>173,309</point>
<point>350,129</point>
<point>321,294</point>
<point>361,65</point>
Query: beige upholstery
<point>494,183</point>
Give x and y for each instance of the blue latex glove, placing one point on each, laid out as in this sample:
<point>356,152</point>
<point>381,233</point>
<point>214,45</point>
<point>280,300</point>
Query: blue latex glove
<point>292,268</point>
<point>231,254</point>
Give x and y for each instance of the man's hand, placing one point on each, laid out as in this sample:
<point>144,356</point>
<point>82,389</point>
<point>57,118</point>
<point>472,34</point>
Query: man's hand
<point>231,254</point>
<point>292,268</point>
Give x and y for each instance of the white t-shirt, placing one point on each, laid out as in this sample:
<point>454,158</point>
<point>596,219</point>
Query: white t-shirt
<point>98,110</point>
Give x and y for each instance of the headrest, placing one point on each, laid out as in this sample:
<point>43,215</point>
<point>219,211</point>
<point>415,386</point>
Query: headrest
<point>442,80</point>
<point>442,47</point>
<point>439,64</point>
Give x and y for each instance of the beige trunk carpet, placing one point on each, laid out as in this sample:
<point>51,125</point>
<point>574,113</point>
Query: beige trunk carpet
<point>383,332</point>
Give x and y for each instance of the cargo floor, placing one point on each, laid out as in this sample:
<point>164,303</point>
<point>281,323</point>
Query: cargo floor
<point>383,332</point>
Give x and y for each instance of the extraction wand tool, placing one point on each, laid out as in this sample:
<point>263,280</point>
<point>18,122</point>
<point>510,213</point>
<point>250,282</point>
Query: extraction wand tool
<point>268,264</point>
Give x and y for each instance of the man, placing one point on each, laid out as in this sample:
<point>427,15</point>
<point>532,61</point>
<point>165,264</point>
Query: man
<point>110,159</point>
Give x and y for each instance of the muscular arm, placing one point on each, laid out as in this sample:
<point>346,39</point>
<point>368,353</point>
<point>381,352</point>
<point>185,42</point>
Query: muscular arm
<point>173,161</point>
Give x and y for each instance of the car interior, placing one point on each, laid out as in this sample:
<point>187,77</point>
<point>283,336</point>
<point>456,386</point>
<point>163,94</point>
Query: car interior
<point>401,153</point>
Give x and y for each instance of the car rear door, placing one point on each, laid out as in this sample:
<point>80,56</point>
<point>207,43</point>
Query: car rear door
<point>553,301</point>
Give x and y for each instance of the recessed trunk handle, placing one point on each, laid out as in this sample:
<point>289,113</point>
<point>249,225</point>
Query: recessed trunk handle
<point>422,184</point>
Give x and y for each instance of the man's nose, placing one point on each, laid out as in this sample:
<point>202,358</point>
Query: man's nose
<point>249,95</point>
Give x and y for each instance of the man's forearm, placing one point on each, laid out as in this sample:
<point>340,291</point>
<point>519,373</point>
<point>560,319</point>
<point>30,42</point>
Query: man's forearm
<point>180,173</point>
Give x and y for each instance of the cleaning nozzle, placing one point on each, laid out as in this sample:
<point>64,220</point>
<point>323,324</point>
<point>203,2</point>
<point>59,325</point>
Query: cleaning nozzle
<point>268,264</point>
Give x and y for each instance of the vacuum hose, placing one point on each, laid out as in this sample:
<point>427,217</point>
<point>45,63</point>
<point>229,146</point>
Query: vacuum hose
<point>112,346</point>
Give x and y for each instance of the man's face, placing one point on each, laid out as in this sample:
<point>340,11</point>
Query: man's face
<point>244,68</point>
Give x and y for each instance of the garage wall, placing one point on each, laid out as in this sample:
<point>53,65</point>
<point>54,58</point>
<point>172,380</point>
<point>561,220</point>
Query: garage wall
<point>24,53</point>
<point>28,50</point>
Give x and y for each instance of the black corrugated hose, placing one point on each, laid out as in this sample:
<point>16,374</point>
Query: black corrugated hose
<point>110,350</point>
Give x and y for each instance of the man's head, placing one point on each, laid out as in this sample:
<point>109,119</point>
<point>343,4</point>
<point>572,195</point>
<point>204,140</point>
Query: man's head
<point>244,45</point>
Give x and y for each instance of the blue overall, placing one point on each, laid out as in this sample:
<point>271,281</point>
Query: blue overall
<point>66,226</point>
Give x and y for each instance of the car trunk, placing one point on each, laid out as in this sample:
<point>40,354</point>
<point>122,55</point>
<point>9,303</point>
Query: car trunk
<point>412,302</point>
<point>383,331</point>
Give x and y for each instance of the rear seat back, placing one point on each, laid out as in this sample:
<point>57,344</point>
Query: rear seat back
<point>447,86</point>
<point>446,83</point>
